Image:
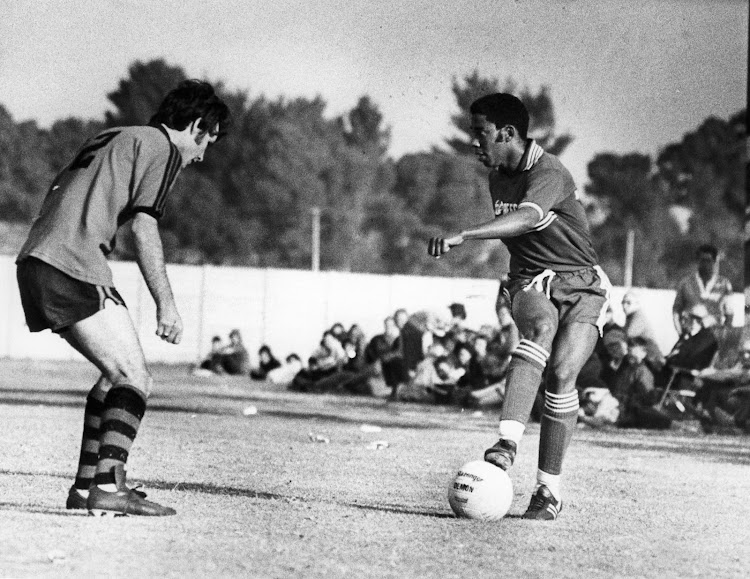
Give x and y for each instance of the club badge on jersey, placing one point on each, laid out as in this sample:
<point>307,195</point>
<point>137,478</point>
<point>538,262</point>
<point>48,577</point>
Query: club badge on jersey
<point>504,208</point>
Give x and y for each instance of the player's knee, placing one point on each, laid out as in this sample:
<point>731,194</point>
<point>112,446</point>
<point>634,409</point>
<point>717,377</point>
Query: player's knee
<point>542,332</point>
<point>138,378</point>
<point>563,379</point>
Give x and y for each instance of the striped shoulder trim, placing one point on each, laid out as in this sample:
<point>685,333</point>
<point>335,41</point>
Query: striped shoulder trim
<point>534,154</point>
<point>546,222</point>
<point>170,173</point>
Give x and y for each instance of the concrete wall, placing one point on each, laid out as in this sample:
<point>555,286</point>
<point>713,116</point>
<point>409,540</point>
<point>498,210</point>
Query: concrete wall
<point>287,309</point>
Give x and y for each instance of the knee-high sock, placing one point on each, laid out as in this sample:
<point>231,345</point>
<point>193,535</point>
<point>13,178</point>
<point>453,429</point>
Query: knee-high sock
<point>524,376</point>
<point>90,440</point>
<point>558,424</point>
<point>123,410</point>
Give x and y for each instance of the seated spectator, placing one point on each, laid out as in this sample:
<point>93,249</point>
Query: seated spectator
<point>637,325</point>
<point>337,329</point>
<point>284,374</point>
<point>614,348</point>
<point>417,335</point>
<point>433,378</point>
<point>383,355</point>
<point>355,344</point>
<point>266,362</point>
<point>696,348</point>
<point>609,325</point>
<point>473,378</point>
<point>211,364</point>
<point>724,394</point>
<point>635,391</point>
<point>235,359</point>
<point>326,360</point>
<point>457,330</point>
<point>598,407</point>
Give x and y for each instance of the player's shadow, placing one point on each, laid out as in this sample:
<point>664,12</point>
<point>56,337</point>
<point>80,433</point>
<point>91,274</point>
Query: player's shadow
<point>157,403</point>
<point>221,490</point>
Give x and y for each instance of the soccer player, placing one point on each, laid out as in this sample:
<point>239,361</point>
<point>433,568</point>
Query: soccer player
<point>705,286</point>
<point>559,295</point>
<point>122,174</point>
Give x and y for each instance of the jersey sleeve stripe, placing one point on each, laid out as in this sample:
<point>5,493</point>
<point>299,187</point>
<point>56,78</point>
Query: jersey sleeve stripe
<point>170,172</point>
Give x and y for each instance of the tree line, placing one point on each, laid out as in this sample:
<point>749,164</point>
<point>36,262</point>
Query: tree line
<point>250,202</point>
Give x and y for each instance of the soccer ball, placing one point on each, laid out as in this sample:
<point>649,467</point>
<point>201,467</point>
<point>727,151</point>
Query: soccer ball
<point>481,491</point>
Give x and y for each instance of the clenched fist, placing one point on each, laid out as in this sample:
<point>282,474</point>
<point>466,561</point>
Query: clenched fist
<point>441,245</point>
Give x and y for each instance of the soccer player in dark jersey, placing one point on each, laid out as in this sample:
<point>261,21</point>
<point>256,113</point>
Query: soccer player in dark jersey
<point>559,295</point>
<point>122,174</point>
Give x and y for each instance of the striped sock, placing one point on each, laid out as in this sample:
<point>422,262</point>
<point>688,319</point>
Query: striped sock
<point>124,407</point>
<point>90,440</point>
<point>558,424</point>
<point>524,376</point>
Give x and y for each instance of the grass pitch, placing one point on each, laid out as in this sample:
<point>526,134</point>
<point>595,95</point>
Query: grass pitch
<point>258,496</point>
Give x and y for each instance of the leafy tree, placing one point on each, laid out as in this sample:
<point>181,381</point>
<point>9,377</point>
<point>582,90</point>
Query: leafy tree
<point>25,174</point>
<point>138,96</point>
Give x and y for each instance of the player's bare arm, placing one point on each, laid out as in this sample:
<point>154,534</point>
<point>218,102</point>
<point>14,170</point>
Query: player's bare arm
<point>150,258</point>
<point>509,225</point>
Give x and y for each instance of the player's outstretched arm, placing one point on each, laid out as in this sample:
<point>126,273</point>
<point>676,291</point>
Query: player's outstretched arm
<point>150,257</point>
<point>509,225</point>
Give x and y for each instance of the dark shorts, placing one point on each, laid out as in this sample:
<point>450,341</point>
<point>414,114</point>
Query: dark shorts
<point>578,296</point>
<point>53,300</point>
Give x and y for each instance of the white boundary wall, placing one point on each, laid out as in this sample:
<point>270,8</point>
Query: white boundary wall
<point>286,309</point>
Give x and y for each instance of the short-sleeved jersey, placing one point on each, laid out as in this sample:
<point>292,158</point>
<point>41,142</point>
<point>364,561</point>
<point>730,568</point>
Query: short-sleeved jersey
<point>115,175</point>
<point>714,295</point>
<point>560,241</point>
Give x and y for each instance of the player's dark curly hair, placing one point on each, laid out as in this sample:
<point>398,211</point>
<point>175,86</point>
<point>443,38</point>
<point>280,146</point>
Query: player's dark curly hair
<point>190,100</point>
<point>503,109</point>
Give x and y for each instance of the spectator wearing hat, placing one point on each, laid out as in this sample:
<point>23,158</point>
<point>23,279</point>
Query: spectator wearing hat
<point>704,286</point>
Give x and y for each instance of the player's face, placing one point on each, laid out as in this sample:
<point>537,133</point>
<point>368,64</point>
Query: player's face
<point>488,147</point>
<point>199,142</point>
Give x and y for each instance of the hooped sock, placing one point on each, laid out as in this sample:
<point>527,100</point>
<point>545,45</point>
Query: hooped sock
<point>89,441</point>
<point>124,408</point>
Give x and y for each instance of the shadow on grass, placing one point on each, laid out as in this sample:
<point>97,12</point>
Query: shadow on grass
<point>77,399</point>
<point>697,448</point>
<point>219,490</point>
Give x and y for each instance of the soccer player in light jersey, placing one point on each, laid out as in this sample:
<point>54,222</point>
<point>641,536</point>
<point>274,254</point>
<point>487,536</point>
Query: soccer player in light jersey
<point>559,295</point>
<point>123,174</point>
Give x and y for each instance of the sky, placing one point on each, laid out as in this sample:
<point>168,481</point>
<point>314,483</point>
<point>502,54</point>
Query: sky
<point>624,75</point>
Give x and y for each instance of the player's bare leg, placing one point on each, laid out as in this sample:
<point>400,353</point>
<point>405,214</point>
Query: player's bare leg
<point>536,318</point>
<point>573,346</point>
<point>109,340</point>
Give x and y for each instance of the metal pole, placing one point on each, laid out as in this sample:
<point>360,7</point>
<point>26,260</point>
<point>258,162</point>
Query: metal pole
<point>629,251</point>
<point>315,266</point>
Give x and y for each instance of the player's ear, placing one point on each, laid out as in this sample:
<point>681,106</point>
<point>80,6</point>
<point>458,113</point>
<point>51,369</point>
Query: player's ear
<point>195,126</point>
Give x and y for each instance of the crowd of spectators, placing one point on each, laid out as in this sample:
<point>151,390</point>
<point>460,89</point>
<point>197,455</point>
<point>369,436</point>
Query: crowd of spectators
<point>433,357</point>
<point>705,377</point>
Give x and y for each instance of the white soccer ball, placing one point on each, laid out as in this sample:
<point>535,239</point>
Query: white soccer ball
<point>481,491</point>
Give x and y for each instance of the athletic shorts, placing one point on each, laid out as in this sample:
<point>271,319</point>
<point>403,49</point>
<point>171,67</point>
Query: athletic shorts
<point>579,296</point>
<point>53,300</point>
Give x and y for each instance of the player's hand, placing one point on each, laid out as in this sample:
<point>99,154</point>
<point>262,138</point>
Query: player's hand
<point>169,324</point>
<point>441,245</point>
